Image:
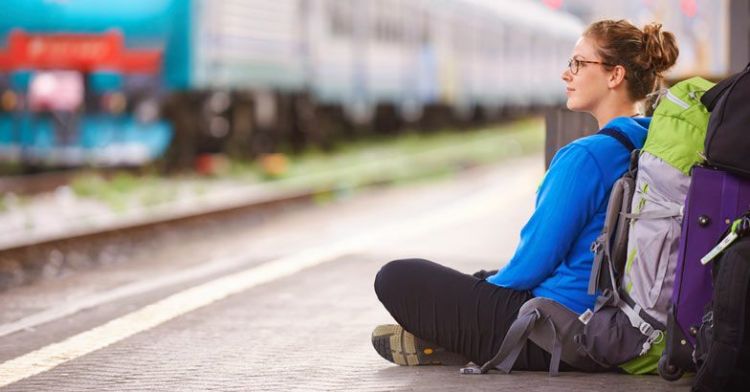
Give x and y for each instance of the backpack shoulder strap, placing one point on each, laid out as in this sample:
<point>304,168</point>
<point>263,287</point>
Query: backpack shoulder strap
<point>610,247</point>
<point>619,137</point>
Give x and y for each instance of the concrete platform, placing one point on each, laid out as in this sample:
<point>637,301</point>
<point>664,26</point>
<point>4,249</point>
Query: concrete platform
<point>308,329</point>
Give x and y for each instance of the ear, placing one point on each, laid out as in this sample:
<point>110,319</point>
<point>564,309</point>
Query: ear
<point>616,76</point>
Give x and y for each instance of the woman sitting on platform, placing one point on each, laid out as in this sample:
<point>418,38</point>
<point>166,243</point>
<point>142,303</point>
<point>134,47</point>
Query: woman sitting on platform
<point>448,317</point>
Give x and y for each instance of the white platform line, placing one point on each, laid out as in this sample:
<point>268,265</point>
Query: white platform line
<point>132,289</point>
<point>53,355</point>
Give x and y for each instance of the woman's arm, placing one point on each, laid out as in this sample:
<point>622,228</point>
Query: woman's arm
<point>567,199</point>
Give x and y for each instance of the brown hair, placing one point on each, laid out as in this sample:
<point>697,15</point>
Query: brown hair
<point>645,54</point>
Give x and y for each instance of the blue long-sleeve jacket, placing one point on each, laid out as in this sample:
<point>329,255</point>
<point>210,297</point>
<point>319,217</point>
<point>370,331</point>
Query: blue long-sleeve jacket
<point>553,258</point>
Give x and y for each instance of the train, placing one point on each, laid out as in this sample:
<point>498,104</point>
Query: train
<point>128,82</point>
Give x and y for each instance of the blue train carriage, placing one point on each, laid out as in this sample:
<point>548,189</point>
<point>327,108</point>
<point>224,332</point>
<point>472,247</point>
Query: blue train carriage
<point>81,82</point>
<point>193,76</point>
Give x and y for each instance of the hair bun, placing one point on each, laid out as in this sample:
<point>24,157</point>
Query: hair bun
<point>659,48</point>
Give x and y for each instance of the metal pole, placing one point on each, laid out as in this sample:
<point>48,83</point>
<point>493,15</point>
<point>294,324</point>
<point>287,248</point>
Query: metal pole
<point>739,35</point>
<point>562,127</point>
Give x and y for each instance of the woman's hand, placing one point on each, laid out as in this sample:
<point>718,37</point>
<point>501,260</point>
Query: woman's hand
<point>483,274</point>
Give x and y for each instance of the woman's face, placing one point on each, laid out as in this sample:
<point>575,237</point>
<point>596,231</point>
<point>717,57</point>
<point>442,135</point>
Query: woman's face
<point>588,86</point>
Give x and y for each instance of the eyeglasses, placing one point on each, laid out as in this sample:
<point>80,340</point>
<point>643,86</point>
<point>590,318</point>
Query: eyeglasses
<point>574,65</point>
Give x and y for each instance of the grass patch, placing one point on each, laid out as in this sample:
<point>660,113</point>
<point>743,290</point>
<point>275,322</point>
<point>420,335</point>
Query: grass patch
<point>414,156</point>
<point>394,160</point>
<point>123,189</point>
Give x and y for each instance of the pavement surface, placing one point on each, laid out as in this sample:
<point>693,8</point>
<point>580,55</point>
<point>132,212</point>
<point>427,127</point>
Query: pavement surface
<point>286,304</point>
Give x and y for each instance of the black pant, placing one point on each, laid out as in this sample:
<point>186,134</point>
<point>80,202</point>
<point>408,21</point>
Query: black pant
<point>456,311</point>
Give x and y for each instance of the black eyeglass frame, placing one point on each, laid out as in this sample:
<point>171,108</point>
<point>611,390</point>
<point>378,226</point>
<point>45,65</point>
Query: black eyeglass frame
<point>578,63</point>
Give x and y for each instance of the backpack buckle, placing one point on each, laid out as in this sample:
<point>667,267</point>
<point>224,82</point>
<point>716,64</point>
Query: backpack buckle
<point>596,246</point>
<point>646,329</point>
<point>470,370</point>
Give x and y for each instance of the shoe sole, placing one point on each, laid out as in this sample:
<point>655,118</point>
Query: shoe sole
<point>397,345</point>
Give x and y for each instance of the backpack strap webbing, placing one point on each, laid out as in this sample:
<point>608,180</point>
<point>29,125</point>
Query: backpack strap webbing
<point>515,341</point>
<point>639,319</point>
<point>624,140</point>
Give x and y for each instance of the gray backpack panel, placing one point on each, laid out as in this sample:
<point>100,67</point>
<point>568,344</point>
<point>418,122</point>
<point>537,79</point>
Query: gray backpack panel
<point>550,325</point>
<point>654,235</point>
<point>560,326</point>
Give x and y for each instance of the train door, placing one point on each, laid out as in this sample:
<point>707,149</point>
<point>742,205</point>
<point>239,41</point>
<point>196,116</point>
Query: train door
<point>13,113</point>
<point>8,103</point>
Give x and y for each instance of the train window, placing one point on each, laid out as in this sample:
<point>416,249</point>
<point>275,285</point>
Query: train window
<point>425,27</point>
<point>340,18</point>
<point>378,24</point>
<point>388,23</point>
<point>381,24</point>
<point>461,35</point>
<point>489,42</point>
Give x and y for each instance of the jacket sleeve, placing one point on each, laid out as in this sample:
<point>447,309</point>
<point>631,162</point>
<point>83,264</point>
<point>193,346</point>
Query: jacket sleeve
<point>569,196</point>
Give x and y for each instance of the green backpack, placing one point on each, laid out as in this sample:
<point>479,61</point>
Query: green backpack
<point>673,146</point>
<point>678,129</point>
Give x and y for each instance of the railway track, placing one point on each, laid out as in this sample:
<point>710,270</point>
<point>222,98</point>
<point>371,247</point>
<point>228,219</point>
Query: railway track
<point>25,259</point>
<point>23,262</point>
<point>35,183</point>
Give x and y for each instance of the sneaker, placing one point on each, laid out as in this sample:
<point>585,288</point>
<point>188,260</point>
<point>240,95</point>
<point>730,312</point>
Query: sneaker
<point>401,347</point>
